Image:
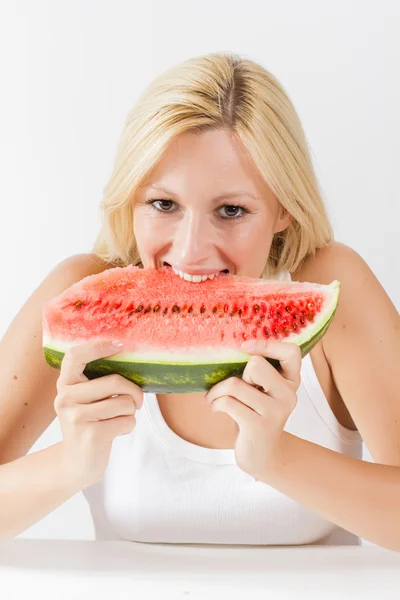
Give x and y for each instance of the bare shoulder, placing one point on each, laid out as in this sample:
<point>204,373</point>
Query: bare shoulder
<point>81,265</point>
<point>358,284</point>
<point>331,262</point>
<point>27,382</point>
<point>362,346</point>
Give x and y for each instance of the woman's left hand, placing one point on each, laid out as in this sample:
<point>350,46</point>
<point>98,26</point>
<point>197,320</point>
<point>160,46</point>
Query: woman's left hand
<point>260,403</point>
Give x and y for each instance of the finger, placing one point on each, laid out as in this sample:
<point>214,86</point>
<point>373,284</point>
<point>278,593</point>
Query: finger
<point>106,409</point>
<point>107,386</point>
<point>77,357</point>
<point>242,392</point>
<point>263,377</point>
<point>239,412</point>
<point>288,354</point>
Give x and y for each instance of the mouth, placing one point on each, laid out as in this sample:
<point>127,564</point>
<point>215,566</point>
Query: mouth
<point>198,277</point>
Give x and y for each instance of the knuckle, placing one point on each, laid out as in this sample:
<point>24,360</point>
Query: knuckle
<point>72,353</point>
<point>117,382</point>
<point>128,405</point>
<point>62,398</point>
<point>226,401</point>
<point>131,423</point>
<point>259,361</point>
<point>127,425</point>
<point>75,415</point>
<point>231,385</point>
<point>293,401</point>
<point>296,351</point>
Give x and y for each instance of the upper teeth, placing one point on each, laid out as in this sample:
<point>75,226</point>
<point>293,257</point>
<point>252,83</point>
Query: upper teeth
<point>195,278</point>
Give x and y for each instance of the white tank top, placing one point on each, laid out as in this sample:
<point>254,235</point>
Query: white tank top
<point>161,488</point>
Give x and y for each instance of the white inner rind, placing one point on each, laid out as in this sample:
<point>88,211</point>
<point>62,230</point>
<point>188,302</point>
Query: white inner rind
<point>205,354</point>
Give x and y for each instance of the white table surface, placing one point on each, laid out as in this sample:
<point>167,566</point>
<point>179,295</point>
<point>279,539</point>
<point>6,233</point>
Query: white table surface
<point>82,570</point>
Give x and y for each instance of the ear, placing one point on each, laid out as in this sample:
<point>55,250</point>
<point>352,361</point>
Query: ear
<point>283,221</point>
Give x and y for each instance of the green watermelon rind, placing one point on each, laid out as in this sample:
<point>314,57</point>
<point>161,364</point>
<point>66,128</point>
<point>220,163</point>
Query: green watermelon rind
<point>191,377</point>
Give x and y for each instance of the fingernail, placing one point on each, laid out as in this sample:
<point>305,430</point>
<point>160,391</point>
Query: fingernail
<point>117,344</point>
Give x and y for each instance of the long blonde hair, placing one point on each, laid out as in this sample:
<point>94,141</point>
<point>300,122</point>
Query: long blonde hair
<point>215,91</point>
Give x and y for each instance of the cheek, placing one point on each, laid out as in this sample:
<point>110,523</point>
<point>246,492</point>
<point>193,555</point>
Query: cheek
<point>253,241</point>
<point>252,250</point>
<point>149,232</point>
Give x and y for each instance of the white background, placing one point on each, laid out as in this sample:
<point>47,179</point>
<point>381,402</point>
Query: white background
<point>71,71</point>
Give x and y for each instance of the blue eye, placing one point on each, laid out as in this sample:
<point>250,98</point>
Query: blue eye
<point>243,209</point>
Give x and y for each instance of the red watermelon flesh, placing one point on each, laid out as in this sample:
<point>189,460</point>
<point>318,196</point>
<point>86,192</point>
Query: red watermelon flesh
<point>164,319</point>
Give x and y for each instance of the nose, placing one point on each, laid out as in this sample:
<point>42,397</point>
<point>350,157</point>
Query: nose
<point>194,239</point>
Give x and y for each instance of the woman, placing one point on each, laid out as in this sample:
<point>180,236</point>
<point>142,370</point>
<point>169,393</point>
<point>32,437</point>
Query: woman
<point>213,173</point>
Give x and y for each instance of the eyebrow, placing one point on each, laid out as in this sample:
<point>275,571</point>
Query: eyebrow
<point>232,194</point>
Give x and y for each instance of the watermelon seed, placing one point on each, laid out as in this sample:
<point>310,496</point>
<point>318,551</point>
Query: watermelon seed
<point>310,316</point>
<point>139,308</point>
<point>266,331</point>
<point>156,308</point>
<point>302,320</point>
<point>131,313</point>
<point>287,308</point>
<point>222,335</point>
<point>176,308</point>
<point>148,309</point>
<point>190,309</point>
<point>275,331</point>
<point>215,309</point>
<point>79,303</point>
<point>226,308</point>
<point>256,308</point>
<point>202,309</point>
<point>240,312</point>
<point>294,316</point>
<point>165,311</point>
<point>278,314</point>
<point>295,326</point>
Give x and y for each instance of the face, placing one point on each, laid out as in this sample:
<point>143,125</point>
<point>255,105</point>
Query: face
<point>205,208</point>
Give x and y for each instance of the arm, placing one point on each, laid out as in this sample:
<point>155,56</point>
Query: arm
<point>364,356</point>
<point>359,496</point>
<point>34,485</point>
<point>31,487</point>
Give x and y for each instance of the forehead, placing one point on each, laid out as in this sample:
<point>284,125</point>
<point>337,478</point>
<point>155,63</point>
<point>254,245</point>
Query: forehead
<point>214,157</point>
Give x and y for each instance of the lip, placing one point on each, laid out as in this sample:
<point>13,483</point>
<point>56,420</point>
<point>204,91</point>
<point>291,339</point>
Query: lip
<point>190,271</point>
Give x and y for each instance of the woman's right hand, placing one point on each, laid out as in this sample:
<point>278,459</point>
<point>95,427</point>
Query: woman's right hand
<point>90,418</point>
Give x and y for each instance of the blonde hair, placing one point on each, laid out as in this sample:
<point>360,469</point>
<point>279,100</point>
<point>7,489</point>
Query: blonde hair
<point>218,91</point>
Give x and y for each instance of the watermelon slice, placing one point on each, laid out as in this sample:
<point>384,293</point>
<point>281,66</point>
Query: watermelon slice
<point>181,336</point>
